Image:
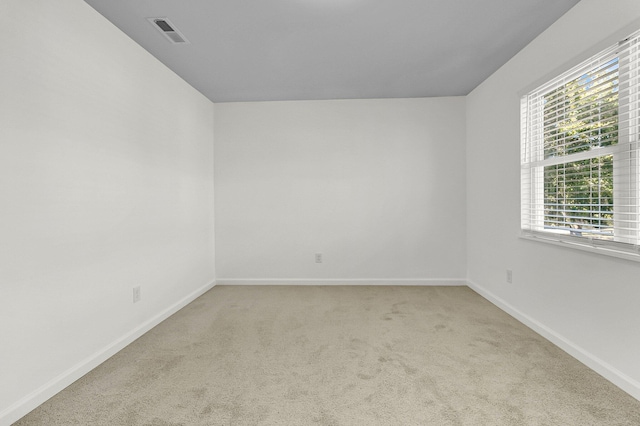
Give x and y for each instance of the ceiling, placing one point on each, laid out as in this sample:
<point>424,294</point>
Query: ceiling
<point>266,50</point>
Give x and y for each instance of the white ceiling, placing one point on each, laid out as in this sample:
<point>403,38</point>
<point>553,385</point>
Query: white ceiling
<point>257,50</point>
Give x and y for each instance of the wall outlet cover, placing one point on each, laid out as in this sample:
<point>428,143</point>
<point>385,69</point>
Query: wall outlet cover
<point>136,294</point>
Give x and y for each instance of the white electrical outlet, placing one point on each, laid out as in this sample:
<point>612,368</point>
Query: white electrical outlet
<point>136,294</point>
<point>318,257</point>
<point>509,276</point>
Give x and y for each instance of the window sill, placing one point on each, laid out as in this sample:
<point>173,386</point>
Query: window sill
<point>583,246</point>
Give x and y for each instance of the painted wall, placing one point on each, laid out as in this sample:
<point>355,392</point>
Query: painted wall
<point>376,186</point>
<point>106,182</point>
<point>587,303</point>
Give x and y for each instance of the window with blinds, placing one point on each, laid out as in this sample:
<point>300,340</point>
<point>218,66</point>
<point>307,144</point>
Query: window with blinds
<point>580,164</point>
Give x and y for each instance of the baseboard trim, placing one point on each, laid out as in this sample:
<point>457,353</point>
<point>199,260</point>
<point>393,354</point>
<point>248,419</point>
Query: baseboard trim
<point>344,281</point>
<point>615,376</point>
<point>22,407</point>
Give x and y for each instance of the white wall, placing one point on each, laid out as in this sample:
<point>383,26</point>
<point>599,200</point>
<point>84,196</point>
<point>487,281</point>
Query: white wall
<point>106,182</point>
<point>376,186</point>
<point>585,302</point>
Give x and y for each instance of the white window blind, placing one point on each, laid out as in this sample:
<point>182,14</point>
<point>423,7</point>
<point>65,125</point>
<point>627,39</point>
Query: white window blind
<point>580,164</point>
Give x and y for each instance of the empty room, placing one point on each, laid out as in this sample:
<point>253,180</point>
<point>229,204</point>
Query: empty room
<point>331,212</point>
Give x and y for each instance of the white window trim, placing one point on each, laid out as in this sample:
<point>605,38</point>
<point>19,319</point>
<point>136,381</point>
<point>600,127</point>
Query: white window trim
<point>581,245</point>
<point>532,170</point>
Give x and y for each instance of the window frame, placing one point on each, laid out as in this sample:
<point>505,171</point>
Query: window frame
<point>533,164</point>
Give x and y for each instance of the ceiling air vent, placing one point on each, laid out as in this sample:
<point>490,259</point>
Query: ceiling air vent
<point>168,30</point>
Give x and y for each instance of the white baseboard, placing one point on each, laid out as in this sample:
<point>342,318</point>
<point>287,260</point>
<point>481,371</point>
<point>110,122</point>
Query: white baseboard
<point>618,378</point>
<point>344,281</point>
<point>22,407</point>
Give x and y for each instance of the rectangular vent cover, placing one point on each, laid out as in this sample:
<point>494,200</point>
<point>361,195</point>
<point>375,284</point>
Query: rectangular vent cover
<point>168,30</point>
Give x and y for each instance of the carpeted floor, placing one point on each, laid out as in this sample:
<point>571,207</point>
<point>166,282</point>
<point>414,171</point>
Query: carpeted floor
<point>284,355</point>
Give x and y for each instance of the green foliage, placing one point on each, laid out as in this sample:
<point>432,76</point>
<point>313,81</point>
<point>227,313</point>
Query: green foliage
<point>580,116</point>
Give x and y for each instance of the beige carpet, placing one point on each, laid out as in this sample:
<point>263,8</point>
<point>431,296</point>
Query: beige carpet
<point>279,355</point>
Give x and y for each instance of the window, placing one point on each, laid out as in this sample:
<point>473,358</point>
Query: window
<point>580,164</point>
